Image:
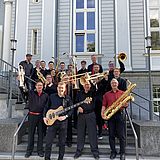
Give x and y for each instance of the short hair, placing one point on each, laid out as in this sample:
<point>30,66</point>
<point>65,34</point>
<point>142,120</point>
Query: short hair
<point>62,63</point>
<point>114,79</point>
<point>43,61</point>
<point>96,65</point>
<point>38,81</point>
<point>110,62</point>
<point>83,62</point>
<point>50,62</point>
<point>48,75</point>
<point>61,84</point>
<point>116,69</point>
<point>93,55</point>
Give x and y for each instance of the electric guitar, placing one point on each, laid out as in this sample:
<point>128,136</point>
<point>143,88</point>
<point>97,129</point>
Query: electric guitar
<point>52,115</point>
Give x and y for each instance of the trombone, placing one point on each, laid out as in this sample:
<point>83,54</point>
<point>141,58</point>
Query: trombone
<point>87,77</point>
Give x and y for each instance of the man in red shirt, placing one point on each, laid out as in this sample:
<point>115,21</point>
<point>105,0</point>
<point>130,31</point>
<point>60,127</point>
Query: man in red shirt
<point>116,123</point>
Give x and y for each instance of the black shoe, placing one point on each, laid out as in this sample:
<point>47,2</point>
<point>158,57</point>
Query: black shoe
<point>27,155</point>
<point>122,156</point>
<point>47,158</point>
<point>113,155</point>
<point>41,154</point>
<point>60,158</point>
<point>96,157</point>
<point>69,144</point>
<point>77,155</point>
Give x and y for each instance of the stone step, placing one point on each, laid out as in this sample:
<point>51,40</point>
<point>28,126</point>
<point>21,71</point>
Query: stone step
<point>103,149</point>
<point>20,156</point>
<point>105,140</point>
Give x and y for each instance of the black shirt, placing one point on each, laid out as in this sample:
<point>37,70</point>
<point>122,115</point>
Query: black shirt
<point>81,96</point>
<point>80,72</point>
<point>51,90</point>
<point>34,75</point>
<point>37,103</point>
<point>90,68</point>
<point>28,68</point>
<point>122,69</point>
<point>55,101</point>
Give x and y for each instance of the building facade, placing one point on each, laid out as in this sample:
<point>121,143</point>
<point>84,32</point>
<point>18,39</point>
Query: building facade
<point>48,28</point>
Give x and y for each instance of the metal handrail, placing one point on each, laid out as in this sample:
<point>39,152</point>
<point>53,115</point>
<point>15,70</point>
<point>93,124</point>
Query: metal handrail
<point>135,134</point>
<point>142,97</point>
<point>15,136</point>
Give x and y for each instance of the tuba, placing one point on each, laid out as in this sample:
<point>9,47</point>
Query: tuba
<point>122,56</point>
<point>120,102</point>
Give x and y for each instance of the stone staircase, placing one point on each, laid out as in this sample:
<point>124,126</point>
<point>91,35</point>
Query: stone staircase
<point>103,145</point>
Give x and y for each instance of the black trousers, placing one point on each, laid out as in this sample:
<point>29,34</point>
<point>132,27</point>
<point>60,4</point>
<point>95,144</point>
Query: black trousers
<point>35,121</point>
<point>61,128</point>
<point>99,120</point>
<point>87,122</point>
<point>69,130</point>
<point>116,126</point>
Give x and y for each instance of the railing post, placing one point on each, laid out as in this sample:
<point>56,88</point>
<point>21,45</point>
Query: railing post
<point>131,111</point>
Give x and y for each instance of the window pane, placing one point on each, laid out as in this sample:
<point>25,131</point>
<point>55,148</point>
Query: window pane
<point>90,42</point>
<point>154,18</point>
<point>153,2</point>
<point>90,3</point>
<point>80,21</point>
<point>79,4</point>
<point>91,20</point>
<point>79,43</point>
<point>155,41</point>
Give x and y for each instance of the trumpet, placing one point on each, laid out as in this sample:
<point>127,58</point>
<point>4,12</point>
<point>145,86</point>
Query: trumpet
<point>41,77</point>
<point>87,77</point>
<point>21,75</point>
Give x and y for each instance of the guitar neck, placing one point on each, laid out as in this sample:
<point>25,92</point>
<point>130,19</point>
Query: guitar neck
<point>70,107</point>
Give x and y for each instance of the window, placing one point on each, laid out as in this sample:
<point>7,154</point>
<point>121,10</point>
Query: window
<point>85,27</point>
<point>156,98</point>
<point>34,41</point>
<point>154,24</point>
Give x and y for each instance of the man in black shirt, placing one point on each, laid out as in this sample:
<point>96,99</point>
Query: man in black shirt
<point>50,87</point>
<point>82,70</point>
<point>122,84</point>
<point>37,100</point>
<point>43,68</point>
<point>57,100</point>
<point>86,120</point>
<point>28,68</point>
<point>94,61</point>
<point>111,66</point>
<point>51,69</point>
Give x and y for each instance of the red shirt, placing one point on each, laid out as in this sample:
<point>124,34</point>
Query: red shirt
<point>111,97</point>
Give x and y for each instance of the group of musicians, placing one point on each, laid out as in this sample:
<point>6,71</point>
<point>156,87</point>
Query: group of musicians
<point>58,90</point>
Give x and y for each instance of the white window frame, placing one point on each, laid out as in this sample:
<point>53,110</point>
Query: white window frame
<point>156,99</point>
<point>32,42</point>
<point>155,29</point>
<point>85,31</point>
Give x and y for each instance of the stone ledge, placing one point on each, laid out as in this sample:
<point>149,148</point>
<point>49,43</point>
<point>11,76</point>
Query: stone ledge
<point>148,133</point>
<point>7,130</point>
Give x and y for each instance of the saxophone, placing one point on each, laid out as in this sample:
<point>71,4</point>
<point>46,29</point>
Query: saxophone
<point>120,102</point>
<point>41,77</point>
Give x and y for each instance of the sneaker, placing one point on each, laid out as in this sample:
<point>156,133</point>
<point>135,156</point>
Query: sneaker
<point>100,137</point>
